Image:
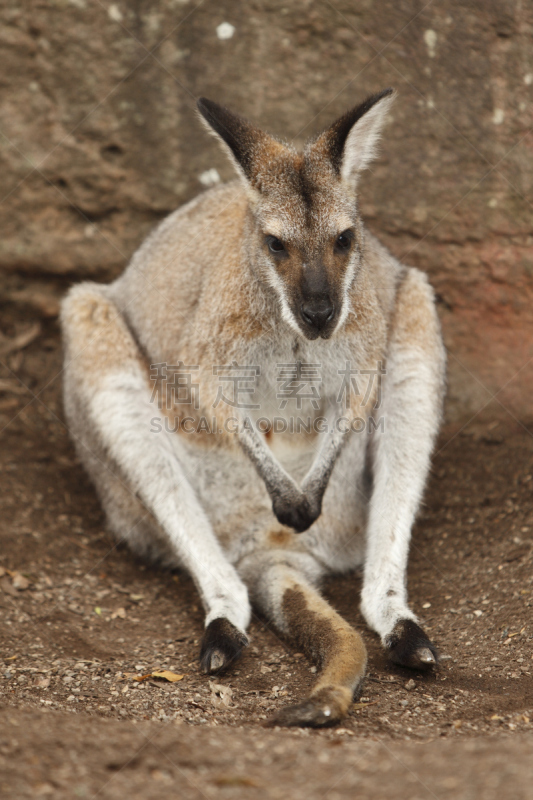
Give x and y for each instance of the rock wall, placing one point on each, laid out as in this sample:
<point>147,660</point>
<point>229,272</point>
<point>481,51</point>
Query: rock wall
<point>99,141</point>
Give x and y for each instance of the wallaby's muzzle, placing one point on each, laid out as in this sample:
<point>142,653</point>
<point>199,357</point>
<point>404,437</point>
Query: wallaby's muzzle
<point>318,318</point>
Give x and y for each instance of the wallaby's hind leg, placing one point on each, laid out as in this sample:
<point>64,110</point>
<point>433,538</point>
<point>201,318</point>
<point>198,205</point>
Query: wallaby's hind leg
<point>281,586</point>
<point>107,403</point>
<point>412,399</point>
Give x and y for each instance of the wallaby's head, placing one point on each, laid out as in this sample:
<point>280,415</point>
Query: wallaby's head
<point>305,233</point>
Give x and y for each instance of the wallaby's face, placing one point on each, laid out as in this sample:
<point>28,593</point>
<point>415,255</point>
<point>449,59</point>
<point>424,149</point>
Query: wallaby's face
<point>306,240</point>
<point>305,232</point>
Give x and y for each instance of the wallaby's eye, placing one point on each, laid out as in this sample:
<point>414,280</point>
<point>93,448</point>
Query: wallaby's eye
<point>344,240</point>
<point>275,245</point>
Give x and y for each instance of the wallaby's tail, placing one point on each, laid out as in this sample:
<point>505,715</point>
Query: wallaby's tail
<point>296,608</point>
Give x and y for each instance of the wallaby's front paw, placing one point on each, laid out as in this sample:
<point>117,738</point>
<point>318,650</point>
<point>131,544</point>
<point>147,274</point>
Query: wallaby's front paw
<point>222,644</point>
<point>409,646</point>
<point>297,514</point>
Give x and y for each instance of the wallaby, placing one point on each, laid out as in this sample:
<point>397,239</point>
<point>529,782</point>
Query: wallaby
<point>248,293</point>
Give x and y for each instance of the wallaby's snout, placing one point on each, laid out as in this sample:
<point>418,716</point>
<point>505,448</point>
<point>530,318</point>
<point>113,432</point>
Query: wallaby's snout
<point>309,275</point>
<point>318,306</point>
<point>318,296</point>
<point>318,316</point>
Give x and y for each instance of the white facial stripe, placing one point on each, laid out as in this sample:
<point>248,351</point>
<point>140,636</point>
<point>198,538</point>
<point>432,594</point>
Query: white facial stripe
<point>345,303</point>
<point>286,313</point>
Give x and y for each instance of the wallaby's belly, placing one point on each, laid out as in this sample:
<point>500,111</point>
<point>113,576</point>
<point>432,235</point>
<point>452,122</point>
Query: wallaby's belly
<point>240,511</point>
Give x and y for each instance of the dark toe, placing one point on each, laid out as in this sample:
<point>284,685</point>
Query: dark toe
<point>409,646</point>
<point>222,644</point>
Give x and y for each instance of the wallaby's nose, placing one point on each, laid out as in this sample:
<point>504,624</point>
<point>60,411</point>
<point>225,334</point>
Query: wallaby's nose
<point>317,314</point>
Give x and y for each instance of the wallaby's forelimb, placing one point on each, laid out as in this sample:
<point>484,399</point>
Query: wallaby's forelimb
<point>316,481</point>
<point>105,364</point>
<point>412,397</point>
<point>293,506</point>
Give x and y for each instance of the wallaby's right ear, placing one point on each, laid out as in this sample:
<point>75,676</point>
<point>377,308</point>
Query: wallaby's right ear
<point>350,144</point>
<point>246,145</point>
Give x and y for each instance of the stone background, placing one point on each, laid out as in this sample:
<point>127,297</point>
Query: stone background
<point>99,141</point>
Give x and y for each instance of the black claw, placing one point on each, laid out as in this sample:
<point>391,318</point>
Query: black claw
<point>409,646</point>
<point>222,644</point>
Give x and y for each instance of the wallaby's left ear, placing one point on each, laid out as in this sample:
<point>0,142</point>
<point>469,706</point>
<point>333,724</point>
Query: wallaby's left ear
<point>247,146</point>
<point>351,142</point>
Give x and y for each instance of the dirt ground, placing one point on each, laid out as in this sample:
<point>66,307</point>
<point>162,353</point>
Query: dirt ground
<point>80,617</point>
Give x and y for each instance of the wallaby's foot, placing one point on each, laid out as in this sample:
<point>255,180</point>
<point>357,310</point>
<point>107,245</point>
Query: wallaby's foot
<point>327,707</point>
<point>298,514</point>
<point>409,646</point>
<point>222,644</point>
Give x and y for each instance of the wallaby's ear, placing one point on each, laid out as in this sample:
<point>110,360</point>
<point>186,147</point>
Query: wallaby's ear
<point>351,142</point>
<point>246,145</point>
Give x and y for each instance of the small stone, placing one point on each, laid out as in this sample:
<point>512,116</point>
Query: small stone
<point>115,13</point>
<point>225,30</point>
<point>43,790</point>
<point>430,39</point>
<point>7,586</point>
<point>410,685</point>
<point>209,178</point>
